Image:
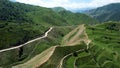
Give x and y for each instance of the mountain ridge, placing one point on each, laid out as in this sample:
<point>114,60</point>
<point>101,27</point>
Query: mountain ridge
<point>108,12</point>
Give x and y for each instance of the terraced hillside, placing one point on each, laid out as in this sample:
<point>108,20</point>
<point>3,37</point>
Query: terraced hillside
<point>39,37</point>
<point>30,50</point>
<point>53,56</point>
<point>61,52</point>
<point>103,52</point>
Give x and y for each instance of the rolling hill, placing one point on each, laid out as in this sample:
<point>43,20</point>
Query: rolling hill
<point>109,12</point>
<point>22,22</point>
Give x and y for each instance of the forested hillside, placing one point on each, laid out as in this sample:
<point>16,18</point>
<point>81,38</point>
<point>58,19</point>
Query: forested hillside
<point>58,9</point>
<point>21,22</point>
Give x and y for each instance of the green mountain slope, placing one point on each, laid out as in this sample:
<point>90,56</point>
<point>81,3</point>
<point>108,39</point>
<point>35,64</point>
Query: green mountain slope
<point>77,18</point>
<point>58,9</point>
<point>109,12</point>
<point>21,22</point>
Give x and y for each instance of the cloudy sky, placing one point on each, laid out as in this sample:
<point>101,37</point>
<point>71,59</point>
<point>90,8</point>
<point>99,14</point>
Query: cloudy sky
<point>69,4</point>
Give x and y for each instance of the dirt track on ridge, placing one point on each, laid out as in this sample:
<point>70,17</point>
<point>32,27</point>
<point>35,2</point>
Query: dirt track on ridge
<point>45,35</point>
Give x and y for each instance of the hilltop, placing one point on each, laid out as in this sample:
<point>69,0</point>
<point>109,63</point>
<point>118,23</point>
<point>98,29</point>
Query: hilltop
<point>109,12</point>
<point>58,9</point>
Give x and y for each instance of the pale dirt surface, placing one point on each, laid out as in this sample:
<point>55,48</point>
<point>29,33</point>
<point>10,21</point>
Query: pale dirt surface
<point>65,39</point>
<point>38,59</point>
<point>77,38</point>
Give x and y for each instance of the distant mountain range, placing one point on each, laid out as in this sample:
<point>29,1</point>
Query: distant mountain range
<point>109,12</point>
<point>82,10</point>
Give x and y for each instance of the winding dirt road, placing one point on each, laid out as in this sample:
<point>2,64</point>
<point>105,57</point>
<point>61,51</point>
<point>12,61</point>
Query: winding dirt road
<point>61,62</point>
<point>45,35</point>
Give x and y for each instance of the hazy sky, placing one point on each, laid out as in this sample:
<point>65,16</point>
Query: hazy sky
<point>69,4</point>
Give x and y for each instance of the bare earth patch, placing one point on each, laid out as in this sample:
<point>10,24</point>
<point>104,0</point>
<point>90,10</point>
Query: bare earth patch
<point>37,60</point>
<point>73,39</point>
